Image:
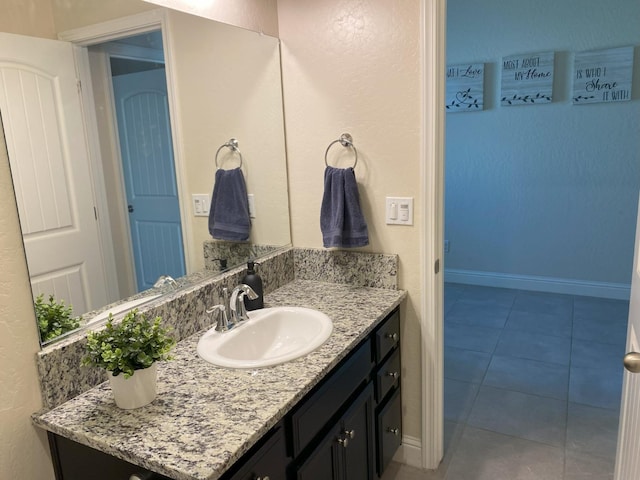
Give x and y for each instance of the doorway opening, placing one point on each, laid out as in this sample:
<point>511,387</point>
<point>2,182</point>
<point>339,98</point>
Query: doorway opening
<point>130,91</point>
<point>538,268</point>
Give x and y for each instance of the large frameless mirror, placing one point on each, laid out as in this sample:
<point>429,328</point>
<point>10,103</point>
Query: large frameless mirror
<point>113,179</point>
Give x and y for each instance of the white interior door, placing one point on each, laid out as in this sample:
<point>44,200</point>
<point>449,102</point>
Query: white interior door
<point>628,454</point>
<point>45,133</point>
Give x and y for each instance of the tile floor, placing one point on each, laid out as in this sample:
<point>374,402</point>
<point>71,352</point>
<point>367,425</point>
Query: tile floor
<point>532,386</point>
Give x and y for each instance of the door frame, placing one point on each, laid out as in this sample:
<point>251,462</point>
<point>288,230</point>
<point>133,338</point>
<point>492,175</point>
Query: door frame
<point>433,45</point>
<point>84,37</point>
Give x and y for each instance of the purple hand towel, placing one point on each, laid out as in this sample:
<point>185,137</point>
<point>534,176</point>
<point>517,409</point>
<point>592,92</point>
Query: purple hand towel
<point>341,219</point>
<point>229,212</point>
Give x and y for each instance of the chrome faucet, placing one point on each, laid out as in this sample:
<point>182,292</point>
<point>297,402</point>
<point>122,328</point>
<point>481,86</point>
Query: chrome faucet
<point>236,303</point>
<point>232,309</point>
<point>166,280</point>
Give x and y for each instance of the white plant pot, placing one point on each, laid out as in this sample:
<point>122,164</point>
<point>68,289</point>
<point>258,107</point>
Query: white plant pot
<point>136,391</point>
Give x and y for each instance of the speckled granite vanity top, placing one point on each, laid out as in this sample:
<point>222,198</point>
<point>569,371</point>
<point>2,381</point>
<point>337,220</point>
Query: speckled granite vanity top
<point>205,417</point>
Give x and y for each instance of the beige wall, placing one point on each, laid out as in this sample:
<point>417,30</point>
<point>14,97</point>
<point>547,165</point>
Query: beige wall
<point>27,17</point>
<point>355,67</point>
<point>24,452</point>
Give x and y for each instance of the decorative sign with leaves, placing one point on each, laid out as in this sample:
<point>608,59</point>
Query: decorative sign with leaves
<point>465,87</point>
<point>603,76</point>
<point>527,79</point>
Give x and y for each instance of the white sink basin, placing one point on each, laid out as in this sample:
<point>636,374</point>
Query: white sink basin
<point>122,308</point>
<point>271,336</point>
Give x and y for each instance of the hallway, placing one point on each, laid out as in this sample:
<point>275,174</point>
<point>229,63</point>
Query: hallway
<point>532,386</point>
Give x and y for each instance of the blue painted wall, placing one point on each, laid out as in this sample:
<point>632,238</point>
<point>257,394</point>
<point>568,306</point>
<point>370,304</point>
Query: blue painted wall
<point>543,190</point>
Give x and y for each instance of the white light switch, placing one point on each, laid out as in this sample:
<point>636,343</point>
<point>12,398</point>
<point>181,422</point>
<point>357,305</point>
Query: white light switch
<point>399,210</point>
<point>201,203</point>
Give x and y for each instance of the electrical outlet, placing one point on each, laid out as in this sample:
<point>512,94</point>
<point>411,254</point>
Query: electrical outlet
<point>446,246</point>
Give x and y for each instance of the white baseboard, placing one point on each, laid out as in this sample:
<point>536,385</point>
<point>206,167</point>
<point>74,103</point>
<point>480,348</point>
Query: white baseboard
<point>618,291</point>
<point>410,452</point>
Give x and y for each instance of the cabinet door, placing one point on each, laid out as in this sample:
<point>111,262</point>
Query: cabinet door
<point>357,437</point>
<point>324,463</point>
<point>269,461</point>
<point>389,430</point>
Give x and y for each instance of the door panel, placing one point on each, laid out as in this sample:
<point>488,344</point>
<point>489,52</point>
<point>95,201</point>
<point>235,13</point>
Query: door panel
<point>149,175</point>
<point>628,454</point>
<point>44,128</point>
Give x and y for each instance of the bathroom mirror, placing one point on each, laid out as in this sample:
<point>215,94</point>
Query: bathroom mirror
<point>223,82</point>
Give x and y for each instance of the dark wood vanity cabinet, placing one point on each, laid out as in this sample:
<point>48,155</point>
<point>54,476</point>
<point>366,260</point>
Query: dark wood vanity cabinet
<point>347,451</point>
<point>73,461</point>
<point>348,427</point>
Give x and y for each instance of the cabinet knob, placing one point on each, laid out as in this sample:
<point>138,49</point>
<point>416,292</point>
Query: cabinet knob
<point>393,374</point>
<point>392,336</point>
<point>395,431</point>
<point>346,436</point>
<point>263,478</point>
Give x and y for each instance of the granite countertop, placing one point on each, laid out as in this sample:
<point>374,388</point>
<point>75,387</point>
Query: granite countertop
<point>205,417</point>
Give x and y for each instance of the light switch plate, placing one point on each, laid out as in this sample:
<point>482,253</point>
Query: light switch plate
<point>201,203</point>
<point>399,210</point>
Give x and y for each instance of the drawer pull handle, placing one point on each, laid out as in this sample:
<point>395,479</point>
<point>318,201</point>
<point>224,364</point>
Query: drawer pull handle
<point>393,374</point>
<point>347,435</point>
<point>395,431</point>
<point>392,336</point>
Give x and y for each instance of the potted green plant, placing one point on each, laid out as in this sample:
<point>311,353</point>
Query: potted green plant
<point>54,318</point>
<point>129,350</point>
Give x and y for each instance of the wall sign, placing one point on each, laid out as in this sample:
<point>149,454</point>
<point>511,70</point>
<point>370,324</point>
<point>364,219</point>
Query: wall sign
<point>603,76</point>
<point>465,87</point>
<point>527,79</point>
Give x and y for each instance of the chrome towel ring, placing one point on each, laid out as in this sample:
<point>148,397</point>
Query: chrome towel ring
<point>346,141</point>
<point>233,146</point>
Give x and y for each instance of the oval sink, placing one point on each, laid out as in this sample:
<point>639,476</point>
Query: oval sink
<point>271,336</point>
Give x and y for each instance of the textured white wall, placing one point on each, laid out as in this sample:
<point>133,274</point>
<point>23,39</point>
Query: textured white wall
<point>352,66</point>
<point>548,190</point>
<point>23,448</point>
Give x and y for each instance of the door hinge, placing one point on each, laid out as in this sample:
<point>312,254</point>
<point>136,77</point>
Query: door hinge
<point>436,267</point>
<point>95,212</point>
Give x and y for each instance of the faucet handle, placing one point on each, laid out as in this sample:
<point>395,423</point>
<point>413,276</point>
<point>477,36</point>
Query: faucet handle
<point>223,320</point>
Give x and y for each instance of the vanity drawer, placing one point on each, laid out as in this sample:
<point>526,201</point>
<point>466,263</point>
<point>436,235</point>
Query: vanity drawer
<point>388,375</point>
<point>389,427</point>
<point>316,411</point>
<point>268,461</point>
<point>387,336</point>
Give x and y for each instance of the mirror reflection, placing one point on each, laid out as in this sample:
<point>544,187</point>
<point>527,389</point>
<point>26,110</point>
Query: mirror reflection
<point>113,186</point>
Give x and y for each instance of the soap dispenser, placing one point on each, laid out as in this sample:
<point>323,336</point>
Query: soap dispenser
<point>255,282</point>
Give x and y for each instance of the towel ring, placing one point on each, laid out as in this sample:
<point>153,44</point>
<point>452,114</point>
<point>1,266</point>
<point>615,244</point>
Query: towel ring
<point>233,146</point>
<point>346,141</point>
